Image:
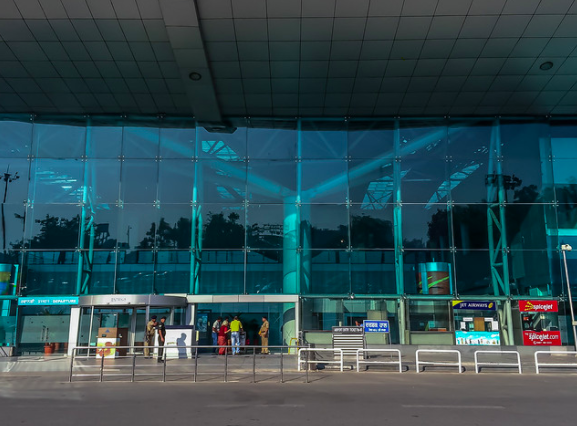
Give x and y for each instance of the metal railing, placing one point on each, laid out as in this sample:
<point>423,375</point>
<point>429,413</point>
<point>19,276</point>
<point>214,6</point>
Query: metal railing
<point>497,364</point>
<point>195,353</point>
<point>308,361</point>
<point>548,364</point>
<point>397,351</point>
<point>437,363</point>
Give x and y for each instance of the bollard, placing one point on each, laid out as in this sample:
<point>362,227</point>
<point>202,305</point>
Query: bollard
<point>164,366</point>
<point>281,367</point>
<point>195,363</point>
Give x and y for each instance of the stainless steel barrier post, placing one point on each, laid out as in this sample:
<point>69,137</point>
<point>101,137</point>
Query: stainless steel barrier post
<point>195,363</point>
<point>307,367</point>
<point>226,366</point>
<point>133,366</point>
<point>281,367</point>
<point>71,365</point>
<point>102,367</point>
<point>254,364</point>
<point>164,366</point>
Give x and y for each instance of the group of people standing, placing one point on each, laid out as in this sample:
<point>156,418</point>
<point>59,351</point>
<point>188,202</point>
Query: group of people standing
<point>153,327</point>
<point>225,333</point>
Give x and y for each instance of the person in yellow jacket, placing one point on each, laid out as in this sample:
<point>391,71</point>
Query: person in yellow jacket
<point>235,329</point>
<point>263,333</point>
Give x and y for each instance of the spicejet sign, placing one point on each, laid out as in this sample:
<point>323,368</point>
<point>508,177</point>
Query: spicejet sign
<point>538,306</point>
<point>542,338</point>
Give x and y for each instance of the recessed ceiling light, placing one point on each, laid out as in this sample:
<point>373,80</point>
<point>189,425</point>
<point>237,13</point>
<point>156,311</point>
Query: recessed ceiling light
<point>194,76</point>
<point>546,66</point>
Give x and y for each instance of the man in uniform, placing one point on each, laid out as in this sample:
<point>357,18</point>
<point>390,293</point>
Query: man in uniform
<point>149,335</point>
<point>235,328</point>
<point>161,335</point>
<point>263,333</point>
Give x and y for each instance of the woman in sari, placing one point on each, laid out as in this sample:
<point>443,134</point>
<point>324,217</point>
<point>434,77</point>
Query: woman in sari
<point>223,333</point>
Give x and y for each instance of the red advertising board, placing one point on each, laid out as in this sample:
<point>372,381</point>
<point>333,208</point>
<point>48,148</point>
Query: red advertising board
<point>538,306</point>
<point>542,338</point>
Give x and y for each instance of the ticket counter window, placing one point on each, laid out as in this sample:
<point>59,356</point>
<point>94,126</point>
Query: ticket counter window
<point>476,322</point>
<point>540,322</point>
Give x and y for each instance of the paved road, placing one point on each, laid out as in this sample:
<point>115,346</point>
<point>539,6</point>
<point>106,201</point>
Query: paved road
<point>429,399</point>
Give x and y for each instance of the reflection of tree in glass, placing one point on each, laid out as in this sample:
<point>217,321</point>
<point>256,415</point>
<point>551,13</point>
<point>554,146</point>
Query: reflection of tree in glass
<point>56,233</point>
<point>370,232</point>
<point>221,232</point>
<point>177,237</point>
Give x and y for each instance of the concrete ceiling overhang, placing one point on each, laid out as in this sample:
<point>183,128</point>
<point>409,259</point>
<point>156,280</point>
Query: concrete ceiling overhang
<point>289,58</point>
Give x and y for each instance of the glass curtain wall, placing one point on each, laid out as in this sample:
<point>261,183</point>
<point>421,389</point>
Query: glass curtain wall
<point>423,208</point>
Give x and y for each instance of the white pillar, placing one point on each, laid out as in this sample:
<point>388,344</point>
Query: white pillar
<point>73,330</point>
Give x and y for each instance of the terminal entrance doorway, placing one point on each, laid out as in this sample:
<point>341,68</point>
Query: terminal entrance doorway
<point>127,320</point>
<point>250,315</point>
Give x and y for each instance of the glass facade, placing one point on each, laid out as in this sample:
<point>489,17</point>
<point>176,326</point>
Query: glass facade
<point>404,214</point>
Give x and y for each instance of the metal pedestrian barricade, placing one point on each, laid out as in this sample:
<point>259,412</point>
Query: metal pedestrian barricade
<point>497,364</point>
<point>307,361</point>
<point>437,363</point>
<point>119,367</point>
<point>550,364</point>
<point>395,351</point>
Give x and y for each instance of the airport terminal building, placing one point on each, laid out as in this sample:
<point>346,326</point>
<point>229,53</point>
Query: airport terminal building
<point>317,162</point>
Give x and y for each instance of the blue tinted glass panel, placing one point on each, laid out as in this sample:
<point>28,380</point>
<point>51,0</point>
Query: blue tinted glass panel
<point>526,225</point>
<point>323,139</point>
<point>371,139</point>
<point>56,181</point>
<point>473,272</point>
<point>470,226</point>
<point>140,142</point>
<point>371,229</point>
<point>12,231</point>
<point>102,181</point>
<point>105,218</point>
<point>221,181</point>
<point>104,142</point>
<point>52,226</point>
<point>138,224</point>
<point>58,141</point>
<point>15,139</point>
<point>426,226</point>
<point>423,140</point>
<point>272,181</point>
<point>325,272</point>
<point>324,182</point>
<point>102,275</point>
<point>424,180</point>
<point>373,272</point>
<point>471,140</point>
<point>222,146</point>
<point>428,272</point>
<point>139,178</point>
<point>325,226</point>
<point>264,271</point>
<point>272,144</point>
<point>176,181</point>
<point>175,227</point>
<point>265,225</point>
<point>50,272</point>
<point>15,172</point>
<point>172,272</point>
<point>371,182</point>
<point>177,143</point>
<point>530,273</point>
<point>135,272</point>
<point>222,226</point>
<point>222,272</point>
